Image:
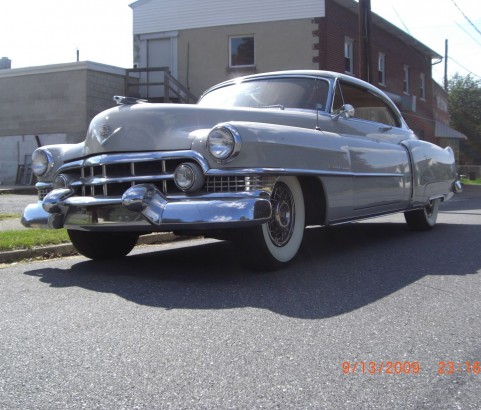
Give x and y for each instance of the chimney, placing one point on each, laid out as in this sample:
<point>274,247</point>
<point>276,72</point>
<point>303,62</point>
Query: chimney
<point>5,63</point>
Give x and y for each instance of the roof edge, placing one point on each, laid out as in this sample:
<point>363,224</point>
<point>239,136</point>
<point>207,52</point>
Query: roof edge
<point>52,68</point>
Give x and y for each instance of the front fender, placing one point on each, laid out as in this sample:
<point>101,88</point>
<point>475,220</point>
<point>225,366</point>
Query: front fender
<point>281,146</point>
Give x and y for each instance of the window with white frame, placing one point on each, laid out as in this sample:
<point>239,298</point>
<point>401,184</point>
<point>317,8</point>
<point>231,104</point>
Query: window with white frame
<point>381,64</point>
<point>406,79</point>
<point>422,86</point>
<point>348,55</point>
<point>241,51</point>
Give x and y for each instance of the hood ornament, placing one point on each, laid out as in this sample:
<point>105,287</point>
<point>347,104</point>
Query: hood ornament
<point>121,100</point>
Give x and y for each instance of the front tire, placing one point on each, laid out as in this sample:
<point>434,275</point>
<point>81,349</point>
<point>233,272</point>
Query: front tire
<point>103,245</point>
<point>274,244</point>
<point>423,219</point>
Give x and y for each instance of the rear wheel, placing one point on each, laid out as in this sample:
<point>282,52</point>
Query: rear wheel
<point>423,219</point>
<point>275,243</point>
<point>103,245</point>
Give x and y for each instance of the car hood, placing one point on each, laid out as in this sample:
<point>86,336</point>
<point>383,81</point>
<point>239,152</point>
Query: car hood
<point>166,127</point>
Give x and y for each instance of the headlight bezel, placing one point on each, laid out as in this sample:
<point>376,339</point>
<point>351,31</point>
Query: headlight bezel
<point>224,143</point>
<point>42,162</point>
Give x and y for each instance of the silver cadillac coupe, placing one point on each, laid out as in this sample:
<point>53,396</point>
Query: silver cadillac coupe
<point>255,161</point>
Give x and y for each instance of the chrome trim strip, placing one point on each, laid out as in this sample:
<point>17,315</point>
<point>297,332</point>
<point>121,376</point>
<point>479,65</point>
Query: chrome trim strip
<point>104,180</point>
<point>294,171</point>
<point>109,159</point>
<point>83,201</point>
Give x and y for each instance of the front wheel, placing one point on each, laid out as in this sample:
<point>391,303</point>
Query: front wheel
<point>423,219</point>
<point>275,243</point>
<point>103,245</point>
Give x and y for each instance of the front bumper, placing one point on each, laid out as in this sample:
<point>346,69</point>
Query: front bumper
<point>144,208</point>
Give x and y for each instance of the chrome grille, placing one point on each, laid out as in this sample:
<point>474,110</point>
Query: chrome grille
<point>111,175</point>
<point>42,193</point>
<point>113,179</point>
<point>237,183</point>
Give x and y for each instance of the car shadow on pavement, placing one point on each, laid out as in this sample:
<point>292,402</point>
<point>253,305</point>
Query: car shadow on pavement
<point>338,270</point>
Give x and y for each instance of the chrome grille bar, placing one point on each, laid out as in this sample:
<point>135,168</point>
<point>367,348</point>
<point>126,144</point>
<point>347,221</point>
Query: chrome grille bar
<point>111,174</point>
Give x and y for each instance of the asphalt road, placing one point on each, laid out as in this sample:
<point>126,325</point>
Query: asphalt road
<point>184,326</point>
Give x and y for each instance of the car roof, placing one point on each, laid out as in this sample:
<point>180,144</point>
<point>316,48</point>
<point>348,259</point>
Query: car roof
<point>311,73</point>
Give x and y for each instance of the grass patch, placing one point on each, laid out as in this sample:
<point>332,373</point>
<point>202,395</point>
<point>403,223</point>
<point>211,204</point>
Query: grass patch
<point>466,181</point>
<point>4,217</point>
<point>30,238</point>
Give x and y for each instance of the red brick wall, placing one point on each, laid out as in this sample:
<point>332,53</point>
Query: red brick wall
<point>341,22</point>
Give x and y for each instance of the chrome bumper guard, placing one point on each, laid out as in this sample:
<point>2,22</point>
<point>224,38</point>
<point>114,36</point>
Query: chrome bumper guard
<point>143,207</point>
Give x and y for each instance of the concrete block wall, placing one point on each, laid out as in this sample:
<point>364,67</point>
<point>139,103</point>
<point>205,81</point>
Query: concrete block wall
<point>101,88</point>
<point>54,102</point>
<point>43,103</point>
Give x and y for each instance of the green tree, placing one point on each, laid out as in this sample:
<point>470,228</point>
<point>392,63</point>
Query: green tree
<point>465,111</point>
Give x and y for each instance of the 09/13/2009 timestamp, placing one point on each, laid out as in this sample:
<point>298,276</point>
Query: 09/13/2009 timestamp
<point>407,367</point>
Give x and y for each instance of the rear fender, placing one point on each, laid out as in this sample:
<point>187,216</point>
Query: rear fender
<point>433,169</point>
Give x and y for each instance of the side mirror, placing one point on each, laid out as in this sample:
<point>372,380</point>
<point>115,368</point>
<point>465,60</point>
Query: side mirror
<point>347,111</point>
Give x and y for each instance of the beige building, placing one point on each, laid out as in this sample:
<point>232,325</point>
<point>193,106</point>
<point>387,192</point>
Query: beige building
<point>216,44</point>
<point>204,43</point>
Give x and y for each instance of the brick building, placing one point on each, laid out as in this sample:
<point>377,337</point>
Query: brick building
<point>400,65</point>
<point>207,42</point>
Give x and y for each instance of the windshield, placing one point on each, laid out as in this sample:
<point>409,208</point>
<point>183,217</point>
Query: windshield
<point>282,93</point>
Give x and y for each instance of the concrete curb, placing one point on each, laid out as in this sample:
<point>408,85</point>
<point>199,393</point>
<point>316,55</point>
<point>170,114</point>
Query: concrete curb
<point>55,251</point>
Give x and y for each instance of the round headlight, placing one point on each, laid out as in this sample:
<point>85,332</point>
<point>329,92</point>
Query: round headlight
<point>189,177</point>
<point>223,142</point>
<point>42,162</point>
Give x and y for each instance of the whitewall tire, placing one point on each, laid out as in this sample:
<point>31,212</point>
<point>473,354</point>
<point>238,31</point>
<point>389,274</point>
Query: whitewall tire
<point>425,218</point>
<point>275,243</point>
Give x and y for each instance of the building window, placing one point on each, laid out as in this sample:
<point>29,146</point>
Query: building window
<point>422,86</point>
<point>348,55</point>
<point>381,62</point>
<point>406,79</point>
<point>241,51</point>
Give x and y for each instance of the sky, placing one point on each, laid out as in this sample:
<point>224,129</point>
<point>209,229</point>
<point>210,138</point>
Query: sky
<point>41,32</point>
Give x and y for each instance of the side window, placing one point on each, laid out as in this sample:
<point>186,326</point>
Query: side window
<point>367,105</point>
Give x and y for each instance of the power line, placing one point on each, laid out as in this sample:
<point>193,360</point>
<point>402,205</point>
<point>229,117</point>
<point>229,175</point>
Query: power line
<point>467,32</point>
<point>466,17</point>
<point>402,21</point>
<point>469,71</point>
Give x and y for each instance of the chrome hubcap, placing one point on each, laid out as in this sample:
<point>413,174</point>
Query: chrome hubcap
<point>281,224</point>
<point>429,209</point>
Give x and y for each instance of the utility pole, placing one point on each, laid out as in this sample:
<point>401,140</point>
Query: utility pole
<point>365,39</point>
<point>446,65</point>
